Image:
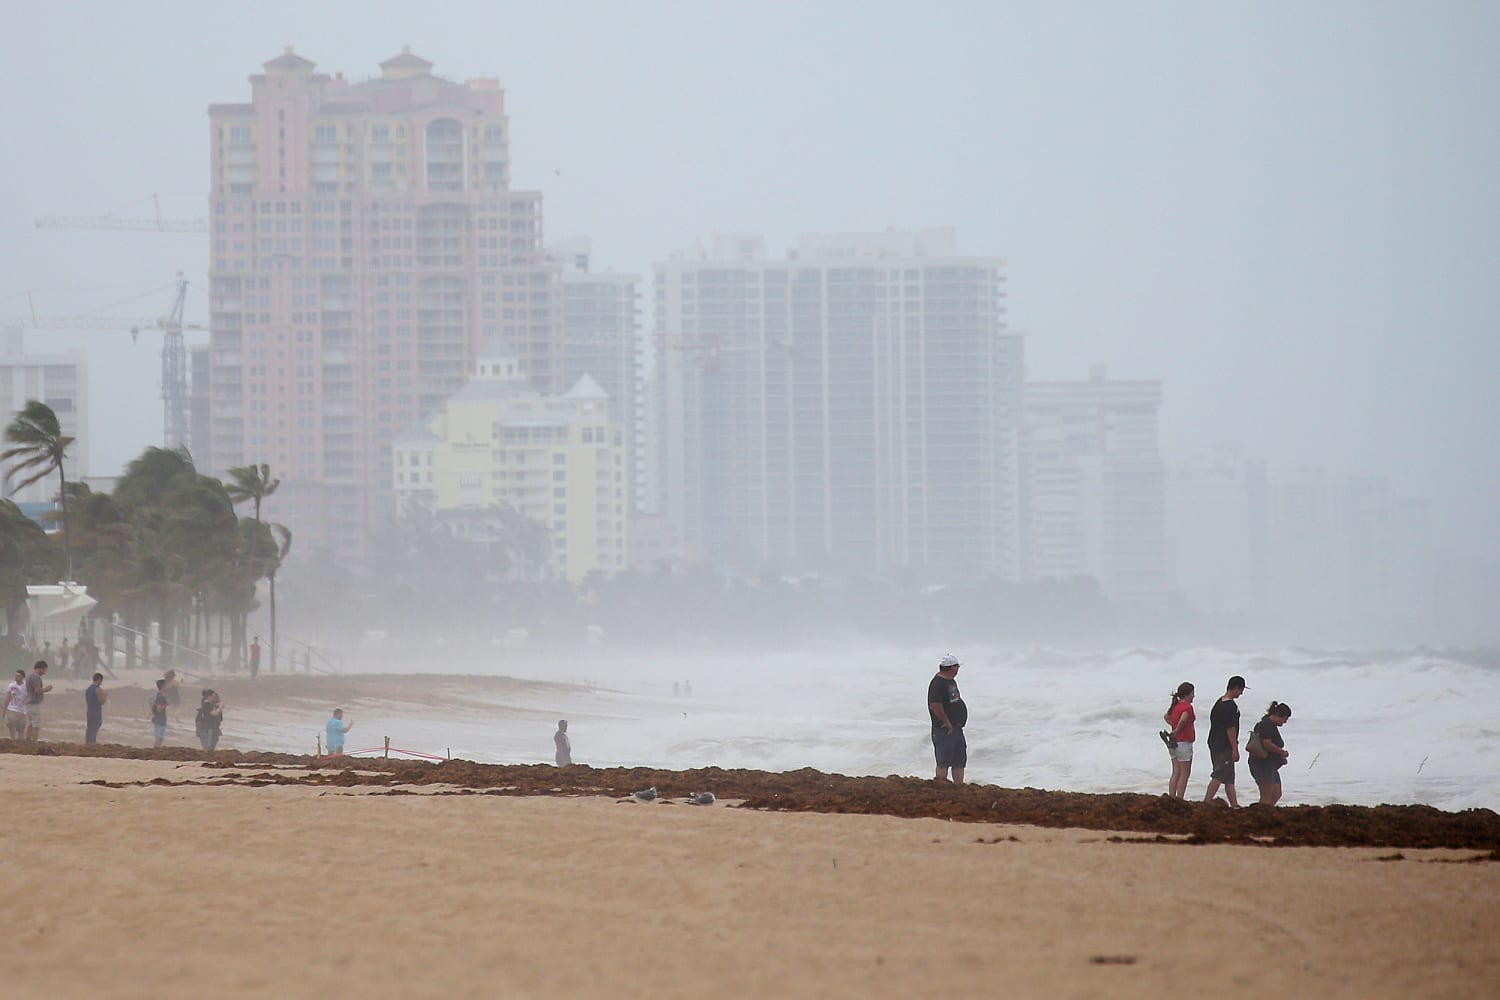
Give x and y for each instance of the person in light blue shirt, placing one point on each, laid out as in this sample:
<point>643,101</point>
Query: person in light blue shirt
<point>336,729</point>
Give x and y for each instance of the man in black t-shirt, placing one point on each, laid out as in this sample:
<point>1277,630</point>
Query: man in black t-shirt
<point>1224,740</point>
<point>948,712</point>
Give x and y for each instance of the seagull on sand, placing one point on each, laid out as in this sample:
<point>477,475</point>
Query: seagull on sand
<point>649,795</point>
<point>701,798</point>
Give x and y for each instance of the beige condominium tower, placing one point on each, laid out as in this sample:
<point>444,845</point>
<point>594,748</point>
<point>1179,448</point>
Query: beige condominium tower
<point>364,243</point>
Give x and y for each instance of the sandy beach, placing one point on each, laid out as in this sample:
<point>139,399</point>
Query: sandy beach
<point>262,875</point>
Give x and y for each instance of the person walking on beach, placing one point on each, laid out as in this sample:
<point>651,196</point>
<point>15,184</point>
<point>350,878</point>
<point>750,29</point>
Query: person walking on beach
<point>209,722</point>
<point>64,657</point>
<point>1268,752</point>
<point>173,689</point>
<point>1180,718</point>
<point>15,707</point>
<point>335,730</point>
<point>563,744</point>
<point>36,692</point>
<point>255,656</point>
<point>159,713</point>
<point>94,697</point>
<point>1224,741</point>
<point>949,716</point>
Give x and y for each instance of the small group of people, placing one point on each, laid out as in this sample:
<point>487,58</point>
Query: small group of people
<point>26,704</point>
<point>1265,747</point>
<point>80,657</point>
<point>25,700</point>
<point>208,720</point>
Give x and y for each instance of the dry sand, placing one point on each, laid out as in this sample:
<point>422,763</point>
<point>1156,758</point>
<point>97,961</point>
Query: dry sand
<point>314,891</point>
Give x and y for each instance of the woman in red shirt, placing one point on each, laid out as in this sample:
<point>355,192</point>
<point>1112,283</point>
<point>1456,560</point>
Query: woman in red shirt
<point>1180,717</point>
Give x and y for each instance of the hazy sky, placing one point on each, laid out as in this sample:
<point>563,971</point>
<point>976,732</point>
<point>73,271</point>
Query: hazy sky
<point>1289,213</point>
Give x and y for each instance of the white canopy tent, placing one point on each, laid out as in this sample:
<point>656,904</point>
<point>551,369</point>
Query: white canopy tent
<point>56,610</point>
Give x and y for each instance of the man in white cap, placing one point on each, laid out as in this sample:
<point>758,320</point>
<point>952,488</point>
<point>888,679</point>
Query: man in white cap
<point>949,713</point>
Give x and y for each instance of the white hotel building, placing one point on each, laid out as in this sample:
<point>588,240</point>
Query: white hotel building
<point>851,409</point>
<point>61,381</point>
<point>1094,503</point>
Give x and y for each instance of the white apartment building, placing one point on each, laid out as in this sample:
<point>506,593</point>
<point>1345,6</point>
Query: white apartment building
<point>61,381</point>
<point>852,408</point>
<point>1093,503</point>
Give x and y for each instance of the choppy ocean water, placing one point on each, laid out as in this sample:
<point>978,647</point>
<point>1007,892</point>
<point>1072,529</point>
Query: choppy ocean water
<point>1366,729</point>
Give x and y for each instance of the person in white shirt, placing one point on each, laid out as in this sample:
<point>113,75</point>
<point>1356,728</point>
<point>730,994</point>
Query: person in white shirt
<point>15,707</point>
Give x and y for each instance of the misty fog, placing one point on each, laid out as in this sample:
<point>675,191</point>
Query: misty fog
<point>1283,219</point>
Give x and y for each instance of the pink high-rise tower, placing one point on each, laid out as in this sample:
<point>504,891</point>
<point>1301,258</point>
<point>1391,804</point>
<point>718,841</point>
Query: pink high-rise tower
<point>365,245</point>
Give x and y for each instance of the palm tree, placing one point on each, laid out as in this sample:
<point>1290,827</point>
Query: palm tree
<point>251,482</point>
<point>283,536</point>
<point>40,446</point>
<point>254,483</point>
<point>25,554</point>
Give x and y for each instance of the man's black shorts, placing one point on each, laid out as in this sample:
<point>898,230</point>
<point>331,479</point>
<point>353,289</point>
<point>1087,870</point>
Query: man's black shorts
<point>1223,762</point>
<point>950,751</point>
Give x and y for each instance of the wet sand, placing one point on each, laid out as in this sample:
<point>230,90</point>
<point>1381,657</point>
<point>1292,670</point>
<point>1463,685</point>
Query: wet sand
<point>267,875</point>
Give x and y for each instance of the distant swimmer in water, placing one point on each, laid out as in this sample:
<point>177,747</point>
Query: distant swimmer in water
<point>563,744</point>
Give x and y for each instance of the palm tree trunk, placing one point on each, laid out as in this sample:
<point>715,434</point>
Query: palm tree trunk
<point>273,622</point>
<point>62,498</point>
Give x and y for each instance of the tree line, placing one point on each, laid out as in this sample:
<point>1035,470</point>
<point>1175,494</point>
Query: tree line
<point>164,546</point>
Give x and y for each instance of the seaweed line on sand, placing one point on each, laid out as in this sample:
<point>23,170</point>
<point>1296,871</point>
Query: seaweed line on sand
<point>1166,820</point>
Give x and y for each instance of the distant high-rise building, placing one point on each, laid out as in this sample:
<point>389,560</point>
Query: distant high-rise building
<point>199,366</point>
<point>1093,500</point>
<point>61,381</point>
<point>851,409</point>
<point>1218,532</point>
<point>1352,560</point>
<point>601,317</point>
<point>1387,580</point>
<point>365,242</point>
<point>542,475</point>
<point>1304,553</point>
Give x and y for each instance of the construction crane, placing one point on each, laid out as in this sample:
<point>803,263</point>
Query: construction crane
<point>174,367</point>
<point>112,221</point>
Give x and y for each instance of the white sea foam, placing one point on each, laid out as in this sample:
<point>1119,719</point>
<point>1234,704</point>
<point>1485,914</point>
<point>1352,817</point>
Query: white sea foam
<point>1414,728</point>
